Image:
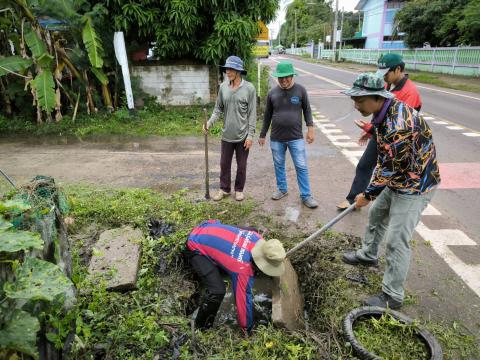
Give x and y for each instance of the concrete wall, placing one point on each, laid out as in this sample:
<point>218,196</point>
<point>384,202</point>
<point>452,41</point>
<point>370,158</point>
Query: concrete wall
<point>178,84</point>
<point>378,22</point>
<point>373,12</point>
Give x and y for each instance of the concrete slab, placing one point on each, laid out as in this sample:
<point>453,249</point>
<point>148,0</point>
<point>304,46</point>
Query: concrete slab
<point>287,300</point>
<point>117,257</point>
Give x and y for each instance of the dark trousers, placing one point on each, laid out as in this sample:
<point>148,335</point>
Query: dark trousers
<point>226,156</point>
<point>210,278</point>
<point>364,170</point>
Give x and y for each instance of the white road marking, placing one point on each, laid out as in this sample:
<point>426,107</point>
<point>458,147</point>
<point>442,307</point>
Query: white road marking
<point>428,117</point>
<point>321,120</point>
<point>350,157</point>
<point>472,134</point>
<point>345,144</point>
<point>329,131</point>
<point>430,210</point>
<point>441,240</point>
<point>329,125</point>
<point>338,137</point>
<point>439,122</point>
<point>454,128</point>
<point>355,153</point>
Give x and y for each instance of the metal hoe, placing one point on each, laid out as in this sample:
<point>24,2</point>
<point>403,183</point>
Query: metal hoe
<point>8,179</point>
<point>207,180</point>
<point>324,228</point>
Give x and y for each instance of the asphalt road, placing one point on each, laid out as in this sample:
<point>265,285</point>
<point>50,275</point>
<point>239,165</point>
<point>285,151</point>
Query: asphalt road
<point>449,233</point>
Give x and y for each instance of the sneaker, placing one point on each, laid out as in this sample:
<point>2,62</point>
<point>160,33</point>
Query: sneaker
<point>310,202</point>
<point>383,300</point>
<point>277,194</point>
<point>219,195</point>
<point>351,258</point>
<point>343,205</point>
<point>239,196</point>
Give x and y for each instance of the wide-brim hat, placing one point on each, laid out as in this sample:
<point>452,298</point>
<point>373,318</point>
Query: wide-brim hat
<point>284,69</point>
<point>269,257</point>
<point>235,63</point>
<point>367,84</point>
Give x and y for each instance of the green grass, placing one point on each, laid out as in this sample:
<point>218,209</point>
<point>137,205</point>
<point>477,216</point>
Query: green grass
<point>430,78</point>
<point>152,120</point>
<point>455,82</point>
<point>144,322</point>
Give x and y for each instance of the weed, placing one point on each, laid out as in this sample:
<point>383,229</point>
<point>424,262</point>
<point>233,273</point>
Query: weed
<point>144,323</point>
<point>390,338</point>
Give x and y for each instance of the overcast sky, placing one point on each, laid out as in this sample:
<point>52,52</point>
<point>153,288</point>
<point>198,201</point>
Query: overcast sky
<point>274,26</point>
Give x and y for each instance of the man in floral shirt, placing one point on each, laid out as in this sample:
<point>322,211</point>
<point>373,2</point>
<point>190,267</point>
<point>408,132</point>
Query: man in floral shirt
<point>402,185</point>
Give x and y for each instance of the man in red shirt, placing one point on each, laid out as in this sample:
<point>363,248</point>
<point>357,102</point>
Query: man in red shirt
<point>392,68</point>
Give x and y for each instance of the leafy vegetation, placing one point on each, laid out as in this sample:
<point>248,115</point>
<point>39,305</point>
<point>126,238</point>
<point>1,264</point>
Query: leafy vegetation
<point>205,30</point>
<point>58,54</point>
<point>456,22</point>
<point>150,321</point>
<point>152,120</point>
<point>390,339</point>
<point>33,56</point>
<point>314,19</point>
<point>27,284</point>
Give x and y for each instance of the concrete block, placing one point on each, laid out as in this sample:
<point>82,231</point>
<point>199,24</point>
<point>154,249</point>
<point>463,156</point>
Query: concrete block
<point>117,257</point>
<point>287,300</point>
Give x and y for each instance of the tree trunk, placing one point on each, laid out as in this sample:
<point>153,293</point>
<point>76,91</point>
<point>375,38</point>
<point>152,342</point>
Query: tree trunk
<point>90,102</point>
<point>6,99</point>
<point>107,98</point>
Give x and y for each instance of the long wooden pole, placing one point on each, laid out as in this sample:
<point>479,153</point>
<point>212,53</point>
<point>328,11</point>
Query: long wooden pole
<point>207,180</point>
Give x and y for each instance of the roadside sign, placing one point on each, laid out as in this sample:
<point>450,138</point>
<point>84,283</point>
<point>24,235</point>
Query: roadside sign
<point>263,31</point>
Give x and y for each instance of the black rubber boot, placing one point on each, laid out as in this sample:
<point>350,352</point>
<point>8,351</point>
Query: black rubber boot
<point>208,310</point>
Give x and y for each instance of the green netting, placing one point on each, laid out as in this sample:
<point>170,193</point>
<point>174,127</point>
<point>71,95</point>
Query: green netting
<point>48,207</point>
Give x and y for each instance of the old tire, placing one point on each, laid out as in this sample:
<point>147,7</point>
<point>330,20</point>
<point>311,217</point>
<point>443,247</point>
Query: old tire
<point>374,311</point>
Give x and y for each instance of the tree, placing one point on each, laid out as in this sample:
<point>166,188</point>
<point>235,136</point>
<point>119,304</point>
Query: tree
<point>440,22</point>
<point>469,26</point>
<point>313,21</point>
<point>206,30</point>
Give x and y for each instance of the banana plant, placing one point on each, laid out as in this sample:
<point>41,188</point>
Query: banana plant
<point>43,64</point>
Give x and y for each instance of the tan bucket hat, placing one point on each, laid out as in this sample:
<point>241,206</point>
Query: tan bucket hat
<point>269,256</point>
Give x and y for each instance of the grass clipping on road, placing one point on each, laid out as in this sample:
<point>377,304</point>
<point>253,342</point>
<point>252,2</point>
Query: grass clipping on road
<point>150,321</point>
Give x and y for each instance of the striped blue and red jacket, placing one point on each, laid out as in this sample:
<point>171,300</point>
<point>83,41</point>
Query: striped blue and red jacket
<point>230,248</point>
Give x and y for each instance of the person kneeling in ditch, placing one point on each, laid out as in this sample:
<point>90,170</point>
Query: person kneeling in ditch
<point>403,184</point>
<point>241,252</point>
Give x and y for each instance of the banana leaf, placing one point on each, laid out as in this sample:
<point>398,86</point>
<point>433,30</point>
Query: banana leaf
<point>35,44</point>
<point>45,88</point>
<point>93,44</point>
<point>100,76</point>
<point>13,64</point>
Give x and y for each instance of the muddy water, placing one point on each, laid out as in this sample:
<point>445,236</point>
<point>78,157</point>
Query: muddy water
<point>262,303</point>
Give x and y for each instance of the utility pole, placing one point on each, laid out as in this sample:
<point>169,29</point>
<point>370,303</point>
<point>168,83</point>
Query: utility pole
<point>295,12</point>
<point>335,25</point>
<point>341,31</point>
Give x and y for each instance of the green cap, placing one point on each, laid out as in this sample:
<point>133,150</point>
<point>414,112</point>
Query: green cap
<point>369,84</point>
<point>284,69</point>
<point>387,62</point>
